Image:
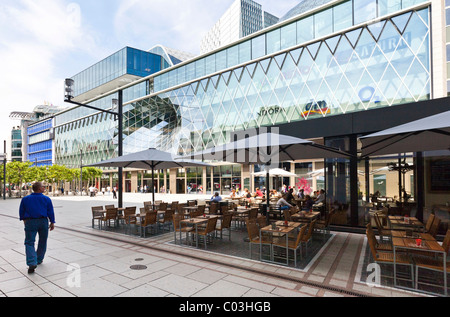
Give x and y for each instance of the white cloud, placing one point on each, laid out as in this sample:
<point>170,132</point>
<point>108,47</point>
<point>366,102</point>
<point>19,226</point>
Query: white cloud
<point>34,37</point>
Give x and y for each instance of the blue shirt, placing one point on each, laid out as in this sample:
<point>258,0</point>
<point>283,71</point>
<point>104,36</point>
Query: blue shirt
<point>216,198</point>
<point>36,206</point>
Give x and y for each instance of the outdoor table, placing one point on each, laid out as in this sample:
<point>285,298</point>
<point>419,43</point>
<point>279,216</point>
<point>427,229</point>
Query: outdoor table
<point>280,229</point>
<point>188,209</point>
<point>309,216</point>
<point>195,222</point>
<point>412,235</point>
<point>399,223</point>
<point>429,244</point>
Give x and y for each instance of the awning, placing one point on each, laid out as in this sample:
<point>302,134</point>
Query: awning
<point>427,134</point>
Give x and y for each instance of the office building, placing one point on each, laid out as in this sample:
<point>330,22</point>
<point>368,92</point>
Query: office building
<point>243,18</point>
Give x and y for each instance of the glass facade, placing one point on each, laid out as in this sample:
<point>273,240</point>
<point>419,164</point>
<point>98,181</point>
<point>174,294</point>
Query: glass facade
<point>128,60</point>
<point>16,145</point>
<point>334,19</point>
<point>378,65</point>
<point>40,143</point>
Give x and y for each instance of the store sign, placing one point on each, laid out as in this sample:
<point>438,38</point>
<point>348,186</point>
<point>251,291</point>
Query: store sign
<point>320,107</point>
<point>269,111</point>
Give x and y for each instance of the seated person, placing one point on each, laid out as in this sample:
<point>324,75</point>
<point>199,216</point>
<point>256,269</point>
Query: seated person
<point>290,196</point>
<point>216,197</point>
<point>259,193</point>
<point>276,194</point>
<point>246,194</point>
<point>320,198</point>
<point>283,204</point>
<point>233,193</point>
<point>307,205</point>
<point>301,194</point>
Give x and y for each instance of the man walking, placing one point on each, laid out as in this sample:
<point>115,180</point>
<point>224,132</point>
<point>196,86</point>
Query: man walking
<point>36,210</point>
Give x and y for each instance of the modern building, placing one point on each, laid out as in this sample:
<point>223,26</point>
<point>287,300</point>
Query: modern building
<point>16,145</point>
<point>40,143</point>
<point>36,134</point>
<point>330,71</point>
<point>243,18</point>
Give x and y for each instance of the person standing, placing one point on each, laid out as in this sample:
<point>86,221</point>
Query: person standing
<point>36,210</point>
<point>114,192</point>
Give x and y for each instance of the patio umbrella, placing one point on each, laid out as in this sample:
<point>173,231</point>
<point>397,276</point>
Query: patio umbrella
<point>427,134</point>
<point>268,149</point>
<point>262,148</point>
<point>321,172</point>
<point>150,159</point>
<point>276,172</point>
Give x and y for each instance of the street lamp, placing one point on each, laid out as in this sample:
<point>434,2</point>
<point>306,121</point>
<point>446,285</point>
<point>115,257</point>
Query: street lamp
<point>116,104</point>
<point>3,157</point>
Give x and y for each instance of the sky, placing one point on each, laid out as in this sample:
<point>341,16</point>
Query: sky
<point>42,42</point>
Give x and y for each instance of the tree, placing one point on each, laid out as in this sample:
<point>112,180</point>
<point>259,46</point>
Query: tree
<point>18,173</point>
<point>90,173</point>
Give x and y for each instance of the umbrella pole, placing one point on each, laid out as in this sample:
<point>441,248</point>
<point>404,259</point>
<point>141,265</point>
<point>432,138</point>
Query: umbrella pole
<point>267,197</point>
<point>153,185</point>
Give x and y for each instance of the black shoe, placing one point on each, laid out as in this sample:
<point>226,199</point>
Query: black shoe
<point>31,269</point>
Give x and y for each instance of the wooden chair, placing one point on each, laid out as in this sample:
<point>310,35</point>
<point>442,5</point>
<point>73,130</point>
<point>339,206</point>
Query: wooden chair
<point>225,223</point>
<point>180,228</point>
<point>201,209</point>
<point>127,212</point>
<point>324,225</point>
<point>213,207</point>
<point>109,206</point>
<point>307,238</point>
<point>163,206</point>
<point>148,205</point>
<point>111,214</point>
<point>434,264</point>
<point>174,206</point>
<point>293,244</point>
<point>209,230</point>
<point>149,221</point>
<point>379,246</point>
<point>254,238</point>
<point>435,227</point>
<point>382,232</point>
<point>142,211</point>
<point>129,217</point>
<point>167,219</point>
<point>261,221</point>
<point>196,213</point>
<point>381,257</point>
<point>224,209</point>
<point>429,223</point>
<point>286,215</point>
<point>97,214</point>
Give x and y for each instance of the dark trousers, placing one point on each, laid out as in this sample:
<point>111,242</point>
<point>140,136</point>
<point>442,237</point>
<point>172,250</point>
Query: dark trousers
<point>35,227</point>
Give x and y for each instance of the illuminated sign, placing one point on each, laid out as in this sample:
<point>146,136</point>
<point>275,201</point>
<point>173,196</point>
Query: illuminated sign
<point>320,107</point>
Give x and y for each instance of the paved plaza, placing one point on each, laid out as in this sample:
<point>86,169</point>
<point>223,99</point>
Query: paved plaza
<point>86,262</point>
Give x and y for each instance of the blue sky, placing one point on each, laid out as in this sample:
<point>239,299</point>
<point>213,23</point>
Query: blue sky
<point>44,41</point>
